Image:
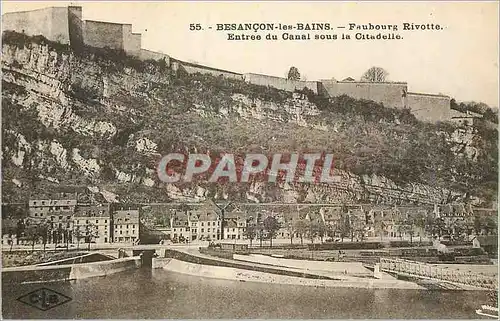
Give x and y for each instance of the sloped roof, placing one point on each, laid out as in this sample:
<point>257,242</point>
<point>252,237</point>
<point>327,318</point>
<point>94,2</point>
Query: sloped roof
<point>231,224</point>
<point>208,216</point>
<point>209,206</point>
<point>237,214</point>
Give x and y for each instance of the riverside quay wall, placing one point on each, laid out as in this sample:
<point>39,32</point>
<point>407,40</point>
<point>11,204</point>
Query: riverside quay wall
<point>66,272</point>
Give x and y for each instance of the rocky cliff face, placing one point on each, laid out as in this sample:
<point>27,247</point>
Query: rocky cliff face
<point>81,120</point>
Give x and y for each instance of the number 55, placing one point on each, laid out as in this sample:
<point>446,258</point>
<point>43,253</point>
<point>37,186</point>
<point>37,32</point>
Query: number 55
<point>195,26</point>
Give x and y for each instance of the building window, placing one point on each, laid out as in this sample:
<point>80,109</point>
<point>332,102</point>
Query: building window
<point>201,223</point>
<point>97,221</point>
<point>133,225</point>
<point>105,221</point>
<point>120,232</point>
<point>133,231</point>
<point>202,230</point>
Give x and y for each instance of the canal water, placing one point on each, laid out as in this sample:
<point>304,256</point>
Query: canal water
<point>160,294</point>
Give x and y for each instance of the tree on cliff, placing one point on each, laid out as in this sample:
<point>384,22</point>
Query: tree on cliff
<point>375,74</point>
<point>293,74</point>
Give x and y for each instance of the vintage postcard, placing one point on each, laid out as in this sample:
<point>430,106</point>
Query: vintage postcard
<point>249,160</point>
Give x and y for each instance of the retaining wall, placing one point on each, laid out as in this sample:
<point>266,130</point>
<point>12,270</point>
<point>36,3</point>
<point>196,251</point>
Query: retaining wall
<point>88,270</point>
<point>86,258</point>
<point>160,262</point>
<point>235,274</point>
<point>352,268</point>
<point>238,265</point>
<point>39,274</point>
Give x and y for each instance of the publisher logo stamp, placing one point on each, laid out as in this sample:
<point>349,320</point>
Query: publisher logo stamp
<point>44,299</point>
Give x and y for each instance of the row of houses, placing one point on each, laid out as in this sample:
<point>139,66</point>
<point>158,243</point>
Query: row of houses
<point>69,221</point>
<point>204,222</point>
<point>68,216</point>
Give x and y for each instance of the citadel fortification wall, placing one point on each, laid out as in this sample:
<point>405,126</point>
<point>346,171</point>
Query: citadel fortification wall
<point>391,94</point>
<point>103,34</point>
<point>75,26</point>
<point>191,68</point>
<point>131,41</point>
<point>153,55</point>
<point>280,83</point>
<point>65,25</point>
<point>427,107</point>
<point>51,22</point>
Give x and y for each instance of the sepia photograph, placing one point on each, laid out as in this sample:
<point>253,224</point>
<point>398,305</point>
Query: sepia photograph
<point>249,160</point>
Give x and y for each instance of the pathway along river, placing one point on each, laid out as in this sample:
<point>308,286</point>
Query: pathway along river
<point>160,294</point>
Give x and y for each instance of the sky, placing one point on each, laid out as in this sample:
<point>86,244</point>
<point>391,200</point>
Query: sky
<point>460,61</point>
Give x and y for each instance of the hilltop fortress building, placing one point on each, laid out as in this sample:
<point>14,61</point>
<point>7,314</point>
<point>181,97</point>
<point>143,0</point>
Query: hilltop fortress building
<point>65,25</point>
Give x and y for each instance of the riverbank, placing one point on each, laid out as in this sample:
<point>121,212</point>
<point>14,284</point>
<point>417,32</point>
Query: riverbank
<point>244,275</point>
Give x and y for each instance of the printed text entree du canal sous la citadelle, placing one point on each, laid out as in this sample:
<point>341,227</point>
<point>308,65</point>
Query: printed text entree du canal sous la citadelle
<point>251,31</point>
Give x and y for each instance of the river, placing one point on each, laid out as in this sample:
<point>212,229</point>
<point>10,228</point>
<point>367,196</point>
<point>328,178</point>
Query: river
<point>160,294</point>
